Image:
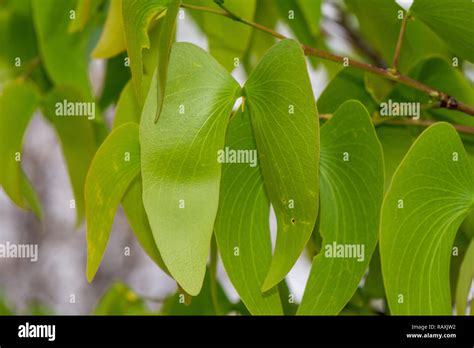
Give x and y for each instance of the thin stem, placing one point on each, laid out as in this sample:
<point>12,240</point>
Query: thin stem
<point>398,48</point>
<point>446,100</point>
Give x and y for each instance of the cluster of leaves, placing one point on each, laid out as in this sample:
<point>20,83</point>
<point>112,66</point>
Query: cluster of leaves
<point>401,193</point>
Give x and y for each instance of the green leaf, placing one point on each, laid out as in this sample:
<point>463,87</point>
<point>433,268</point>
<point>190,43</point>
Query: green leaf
<point>346,85</point>
<point>351,193</point>
<point>430,195</point>
<point>285,122</point>
<point>18,101</point>
<point>78,140</point>
<point>466,276</point>
<point>119,299</point>
<point>132,203</point>
<point>112,40</point>
<point>451,20</point>
<point>16,26</point>
<point>128,108</point>
<point>57,46</point>
<point>396,142</point>
<point>242,226</point>
<point>85,9</point>
<point>137,16</point>
<point>179,160</point>
<point>116,77</point>
<point>115,165</point>
<point>227,39</point>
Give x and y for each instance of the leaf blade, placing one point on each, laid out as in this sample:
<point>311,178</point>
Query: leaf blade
<point>205,93</point>
<point>441,192</point>
<point>115,165</point>
<point>285,123</point>
<point>351,193</point>
<point>246,228</point>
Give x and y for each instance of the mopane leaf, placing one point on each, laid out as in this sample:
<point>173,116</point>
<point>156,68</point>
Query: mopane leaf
<point>228,40</point>
<point>431,193</point>
<point>451,20</point>
<point>14,119</point>
<point>115,165</point>
<point>112,40</point>
<point>137,16</point>
<point>181,174</point>
<point>285,122</point>
<point>351,193</point>
<point>58,46</point>
<point>242,225</point>
<point>77,136</point>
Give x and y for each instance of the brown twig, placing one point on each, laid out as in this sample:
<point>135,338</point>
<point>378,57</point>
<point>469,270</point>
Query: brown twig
<point>446,100</point>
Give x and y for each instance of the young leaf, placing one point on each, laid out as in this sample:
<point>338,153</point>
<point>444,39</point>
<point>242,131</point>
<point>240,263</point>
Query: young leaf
<point>137,16</point>
<point>181,175</point>
<point>57,46</point>
<point>431,193</point>
<point>112,40</point>
<point>228,40</point>
<point>451,20</point>
<point>115,165</point>
<point>285,122</point>
<point>242,225</point>
<point>351,193</point>
<point>78,140</point>
<point>18,101</point>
